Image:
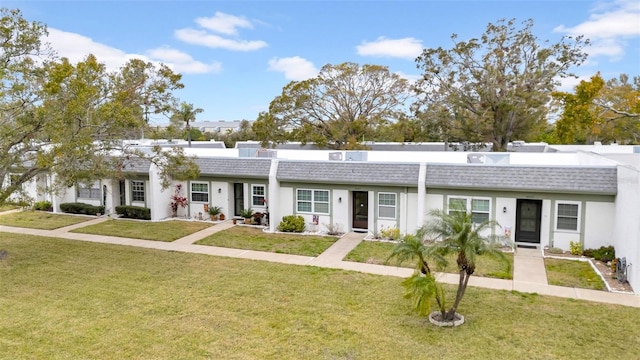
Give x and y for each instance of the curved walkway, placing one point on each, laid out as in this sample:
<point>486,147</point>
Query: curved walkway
<point>529,273</point>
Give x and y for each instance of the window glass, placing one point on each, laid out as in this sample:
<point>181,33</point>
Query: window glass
<point>567,217</point>
<point>137,190</point>
<point>200,192</point>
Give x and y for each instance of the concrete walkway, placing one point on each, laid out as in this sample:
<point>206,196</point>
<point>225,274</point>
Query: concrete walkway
<point>528,276</point>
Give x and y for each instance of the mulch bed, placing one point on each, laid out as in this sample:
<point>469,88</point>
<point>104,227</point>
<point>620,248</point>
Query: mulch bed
<point>603,268</point>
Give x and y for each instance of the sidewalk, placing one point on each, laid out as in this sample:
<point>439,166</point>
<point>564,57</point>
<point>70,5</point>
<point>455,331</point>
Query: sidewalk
<point>528,275</point>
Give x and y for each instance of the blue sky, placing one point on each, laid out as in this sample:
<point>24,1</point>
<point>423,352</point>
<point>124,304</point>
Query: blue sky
<point>236,56</point>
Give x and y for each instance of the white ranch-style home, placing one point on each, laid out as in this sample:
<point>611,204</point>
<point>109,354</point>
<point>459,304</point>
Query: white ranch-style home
<point>541,195</point>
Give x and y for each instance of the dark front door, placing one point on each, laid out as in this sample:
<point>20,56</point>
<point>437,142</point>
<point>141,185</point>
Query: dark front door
<point>238,198</point>
<point>528,215</point>
<point>360,210</point>
<point>123,192</point>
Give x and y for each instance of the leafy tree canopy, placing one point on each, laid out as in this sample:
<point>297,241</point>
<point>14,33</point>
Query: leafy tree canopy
<point>336,109</point>
<point>497,86</point>
<point>599,110</point>
<point>69,119</point>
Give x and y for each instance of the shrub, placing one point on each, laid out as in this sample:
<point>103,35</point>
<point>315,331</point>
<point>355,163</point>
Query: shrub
<point>292,223</point>
<point>390,233</point>
<point>42,206</point>
<point>334,229</point>
<point>604,253</point>
<point>575,247</point>
<point>247,213</point>
<point>81,208</point>
<point>134,212</point>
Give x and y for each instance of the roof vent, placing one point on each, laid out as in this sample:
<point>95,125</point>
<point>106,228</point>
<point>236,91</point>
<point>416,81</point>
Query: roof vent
<point>475,159</point>
<point>266,153</point>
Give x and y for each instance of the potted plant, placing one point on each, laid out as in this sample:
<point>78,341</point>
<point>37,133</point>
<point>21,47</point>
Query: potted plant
<point>214,212</point>
<point>247,214</point>
<point>177,200</point>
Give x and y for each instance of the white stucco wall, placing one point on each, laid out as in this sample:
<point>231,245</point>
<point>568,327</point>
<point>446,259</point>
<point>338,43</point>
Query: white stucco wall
<point>507,220</point>
<point>626,224</point>
<point>340,210</point>
<point>598,224</point>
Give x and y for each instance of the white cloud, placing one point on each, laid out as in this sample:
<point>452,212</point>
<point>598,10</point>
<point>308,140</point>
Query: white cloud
<point>182,62</point>
<point>406,48</point>
<point>294,68</point>
<point>201,37</point>
<point>76,47</point>
<point>608,27</point>
<point>224,23</point>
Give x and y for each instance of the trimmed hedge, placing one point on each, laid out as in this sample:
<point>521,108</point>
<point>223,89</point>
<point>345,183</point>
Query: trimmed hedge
<point>42,206</point>
<point>292,223</point>
<point>134,212</point>
<point>81,208</point>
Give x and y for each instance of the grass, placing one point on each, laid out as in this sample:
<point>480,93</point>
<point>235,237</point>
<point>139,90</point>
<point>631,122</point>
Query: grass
<point>7,207</point>
<point>244,237</point>
<point>376,252</point>
<point>41,220</point>
<point>65,300</point>
<point>572,273</point>
<point>159,231</point>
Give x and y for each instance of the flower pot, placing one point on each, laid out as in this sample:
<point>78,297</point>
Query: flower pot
<point>222,217</point>
<point>214,217</point>
<point>235,221</point>
<point>247,221</point>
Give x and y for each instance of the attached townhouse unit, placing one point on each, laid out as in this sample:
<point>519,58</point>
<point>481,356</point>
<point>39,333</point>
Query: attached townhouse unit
<point>541,195</point>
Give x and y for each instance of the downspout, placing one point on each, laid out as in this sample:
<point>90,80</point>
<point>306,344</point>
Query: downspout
<point>422,194</point>
<point>273,201</point>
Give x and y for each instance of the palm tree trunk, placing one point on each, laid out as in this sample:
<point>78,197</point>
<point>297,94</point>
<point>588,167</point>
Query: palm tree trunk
<point>189,134</point>
<point>462,286</point>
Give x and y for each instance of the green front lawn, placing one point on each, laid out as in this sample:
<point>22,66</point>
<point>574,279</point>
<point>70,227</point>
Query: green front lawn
<point>160,231</point>
<point>69,300</point>
<point>376,252</point>
<point>572,273</point>
<point>41,220</point>
<point>7,207</point>
<point>244,237</point>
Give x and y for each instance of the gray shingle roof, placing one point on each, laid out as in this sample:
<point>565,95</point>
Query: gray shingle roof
<point>349,172</point>
<point>136,165</point>
<point>598,180</point>
<point>234,167</point>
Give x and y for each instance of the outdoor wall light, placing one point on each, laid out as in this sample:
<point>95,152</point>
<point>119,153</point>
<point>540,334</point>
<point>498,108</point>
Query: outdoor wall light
<point>219,191</point>
<point>340,200</point>
<point>504,209</point>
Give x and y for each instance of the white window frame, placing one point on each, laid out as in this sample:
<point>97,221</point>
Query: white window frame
<point>191,192</point>
<point>93,189</point>
<point>577,217</point>
<point>133,184</point>
<point>314,202</point>
<point>386,206</point>
<point>259,197</point>
<point>468,204</point>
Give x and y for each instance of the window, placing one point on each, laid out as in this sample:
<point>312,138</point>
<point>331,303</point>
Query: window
<point>479,208</point>
<point>88,192</point>
<point>312,201</point>
<point>200,192</point>
<point>387,205</point>
<point>257,195</point>
<point>457,204</point>
<point>137,190</point>
<point>567,217</point>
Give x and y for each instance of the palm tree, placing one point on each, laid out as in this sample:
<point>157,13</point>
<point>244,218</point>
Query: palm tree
<point>186,113</point>
<point>455,233</point>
